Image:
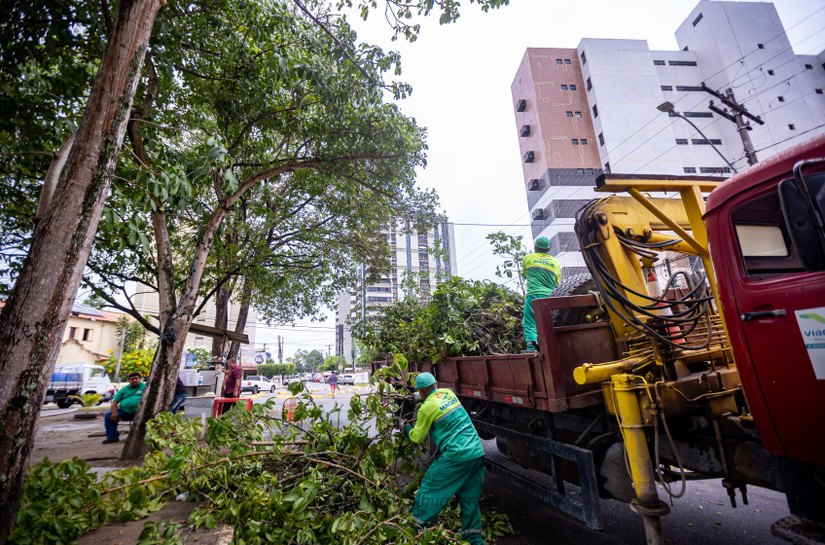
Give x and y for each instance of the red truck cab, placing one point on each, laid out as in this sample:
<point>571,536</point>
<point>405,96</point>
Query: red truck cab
<point>768,252</point>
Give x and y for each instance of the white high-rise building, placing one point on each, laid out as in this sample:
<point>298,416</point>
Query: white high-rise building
<point>420,260</point>
<point>593,109</point>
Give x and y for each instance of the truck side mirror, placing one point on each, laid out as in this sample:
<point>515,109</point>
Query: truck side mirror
<point>801,220</point>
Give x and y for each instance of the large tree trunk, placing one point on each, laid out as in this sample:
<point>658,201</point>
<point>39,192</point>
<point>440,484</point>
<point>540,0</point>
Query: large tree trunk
<point>243,315</point>
<point>221,316</point>
<point>32,324</point>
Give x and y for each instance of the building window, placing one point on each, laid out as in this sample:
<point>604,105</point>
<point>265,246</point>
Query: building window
<point>690,170</point>
<point>791,126</point>
<point>580,171</point>
<point>569,114</point>
<point>564,87</point>
<point>781,99</point>
<point>696,21</point>
<point>682,63</point>
<point>589,85</point>
<point>578,114</point>
<point>584,141</point>
<point>760,46</point>
<point>595,111</point>
<point>818,91</point>
<point>809,67</point>
<point>667,87</point>
<point>688,88</point>
<point>601,139</point>
<point>72,332</point>
<point>558,61</point>
<point>658,63</point>
<point>703,141</point>
<point>524,131</point>
<point>521,105</point>
<point>529,156</point>
<point>566,61</point>
<point>584,58</point>
<point>714,170</point>
<point>88,334</point>
<point>770,72</point>
<point>574,141</point>
<point>698,114</point>
<point>572,87</point>
<point>681,141</point>
<point>607,167</point>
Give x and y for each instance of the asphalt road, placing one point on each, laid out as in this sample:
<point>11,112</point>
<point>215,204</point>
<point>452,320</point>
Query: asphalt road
<point>703,516</point>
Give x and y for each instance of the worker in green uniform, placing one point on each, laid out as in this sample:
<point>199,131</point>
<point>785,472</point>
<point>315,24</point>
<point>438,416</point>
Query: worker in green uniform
<point>543,273</point>
<point>459,469</point>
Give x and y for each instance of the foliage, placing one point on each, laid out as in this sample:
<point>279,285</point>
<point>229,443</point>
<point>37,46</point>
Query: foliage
<point>136,361</point>
<point>513,251</point>
<point>202,356</point>
<point>333,363</point>
<point>270,370</point>
<point>88,400</point>
<point>276,482</point>
<point>308,362</point>
<point>463,318</point>
<point>95,301</point>
<point>136,338</point>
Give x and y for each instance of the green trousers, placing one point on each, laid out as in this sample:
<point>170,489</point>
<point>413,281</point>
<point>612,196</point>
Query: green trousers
<point>445,479</point>
<point>528,322</point>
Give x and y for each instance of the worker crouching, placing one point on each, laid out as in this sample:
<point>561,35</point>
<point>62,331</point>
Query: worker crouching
<point>459,469</point>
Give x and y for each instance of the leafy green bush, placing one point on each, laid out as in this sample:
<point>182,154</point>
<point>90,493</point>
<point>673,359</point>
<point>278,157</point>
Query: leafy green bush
<point>136,361</point>
<point>463,318</point>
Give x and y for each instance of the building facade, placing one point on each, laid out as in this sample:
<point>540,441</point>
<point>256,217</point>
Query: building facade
<point>420,260</point>
<point>580,112</point>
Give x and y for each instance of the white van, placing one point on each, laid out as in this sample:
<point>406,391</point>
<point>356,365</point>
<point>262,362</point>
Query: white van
<point>71,379</point>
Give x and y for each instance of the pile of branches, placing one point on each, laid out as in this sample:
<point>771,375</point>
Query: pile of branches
<point>306,481</point>
<point>463,318</point>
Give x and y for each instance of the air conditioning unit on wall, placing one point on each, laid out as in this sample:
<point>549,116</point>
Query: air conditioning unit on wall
<point>534,185</point>
<point>539,214</point>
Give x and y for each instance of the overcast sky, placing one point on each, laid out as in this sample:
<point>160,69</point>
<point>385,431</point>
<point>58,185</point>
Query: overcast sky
<point>461,75</point>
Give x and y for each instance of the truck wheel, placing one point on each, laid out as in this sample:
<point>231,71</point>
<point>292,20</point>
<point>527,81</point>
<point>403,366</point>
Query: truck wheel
<point>254,390</point>
<point>578,284</point>
<point>63,403</point>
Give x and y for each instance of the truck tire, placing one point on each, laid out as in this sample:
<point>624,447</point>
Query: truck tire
<point>578,284</point>
<point>64,403</point>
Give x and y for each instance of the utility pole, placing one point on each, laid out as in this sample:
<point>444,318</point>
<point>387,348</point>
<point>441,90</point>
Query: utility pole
<point>280,349</point>
<point>736,114</point>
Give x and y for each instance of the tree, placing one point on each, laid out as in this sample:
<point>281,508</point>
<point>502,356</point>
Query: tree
<point>32,323</point>
<point>513,251</point>
<point>308,362</point>
<point>333,363</point>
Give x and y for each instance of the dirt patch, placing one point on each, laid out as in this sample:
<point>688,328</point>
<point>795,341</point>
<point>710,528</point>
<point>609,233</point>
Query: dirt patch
<point>61,436</point>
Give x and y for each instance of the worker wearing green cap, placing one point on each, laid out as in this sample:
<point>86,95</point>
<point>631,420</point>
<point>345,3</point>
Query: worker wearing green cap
<point>459,469</point>
<point>543,273</point>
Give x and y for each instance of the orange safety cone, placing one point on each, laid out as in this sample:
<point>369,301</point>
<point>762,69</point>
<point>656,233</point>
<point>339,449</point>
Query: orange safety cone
<point>654,291</point>
<point>290,405</point>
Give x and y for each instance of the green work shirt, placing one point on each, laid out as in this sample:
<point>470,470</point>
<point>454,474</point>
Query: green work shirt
<point>454,435</point>
<point>543,273</point>
<point>128,398</point>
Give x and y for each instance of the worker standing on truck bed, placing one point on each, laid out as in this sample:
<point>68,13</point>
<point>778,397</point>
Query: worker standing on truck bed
<point>543,274</point>
<point>459,469</point>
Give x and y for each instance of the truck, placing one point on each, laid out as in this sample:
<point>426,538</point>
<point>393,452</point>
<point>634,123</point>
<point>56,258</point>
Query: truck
<point>716,371</point>
<point>74,379</point>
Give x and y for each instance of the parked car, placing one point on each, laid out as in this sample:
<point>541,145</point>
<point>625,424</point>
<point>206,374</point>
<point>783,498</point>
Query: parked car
<point>257,383</point>
<point>74,379</point>
<point>346,379</point>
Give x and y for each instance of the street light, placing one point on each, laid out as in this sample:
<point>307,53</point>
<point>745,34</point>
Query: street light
<point>667,107</point>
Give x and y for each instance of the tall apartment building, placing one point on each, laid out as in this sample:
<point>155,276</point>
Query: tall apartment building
<point>414,267</point>
<point>580,112</point>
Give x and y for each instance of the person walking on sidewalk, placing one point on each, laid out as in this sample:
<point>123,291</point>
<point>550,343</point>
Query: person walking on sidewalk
<point>459,469</point>
<point>543,274</point>
<point>233,378</point>
<point>124,406</point>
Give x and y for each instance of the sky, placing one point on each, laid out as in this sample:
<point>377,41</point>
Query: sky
<point>461,75</point>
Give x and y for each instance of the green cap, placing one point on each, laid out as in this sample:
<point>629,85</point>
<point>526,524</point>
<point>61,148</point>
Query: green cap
<point>423,380</point>
<point>542,243</point>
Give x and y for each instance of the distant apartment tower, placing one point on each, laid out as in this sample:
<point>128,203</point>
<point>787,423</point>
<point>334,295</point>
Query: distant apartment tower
<point>420,259</point>
<point>580,112</point>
